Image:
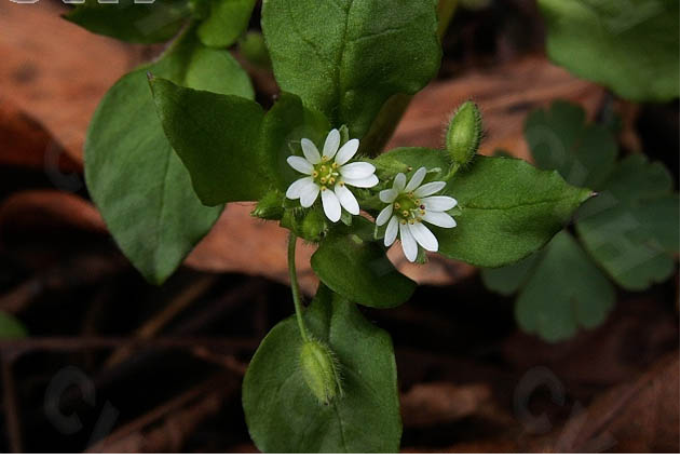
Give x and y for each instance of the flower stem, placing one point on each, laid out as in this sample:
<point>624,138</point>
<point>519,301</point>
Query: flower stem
<point>295,290</point>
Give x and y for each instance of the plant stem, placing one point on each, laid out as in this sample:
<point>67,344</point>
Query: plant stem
<point>393,110</point>
<point>295,290</point>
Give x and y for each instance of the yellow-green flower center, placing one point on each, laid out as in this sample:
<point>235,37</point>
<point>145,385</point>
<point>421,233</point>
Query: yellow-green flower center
<point>326,173</point>
<point>408,208</point>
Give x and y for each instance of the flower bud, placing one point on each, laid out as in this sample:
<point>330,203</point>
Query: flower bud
<point>320,371</point>
<point>464,133</point>
<point>270,207</point>
<point>313,226</point>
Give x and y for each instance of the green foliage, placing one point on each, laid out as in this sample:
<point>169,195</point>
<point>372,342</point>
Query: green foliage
<point>564,291</point>
<point>216,137</point>
<point>138,183</point>
<point>629,46</point>
<point>226,22</point>
<point>11,327</point>
<point>346,58</point>
<point>129,21</point>
<point>352,266</point>
<point>632,228</point>
<point>559,139</point>
<point>284,415</point>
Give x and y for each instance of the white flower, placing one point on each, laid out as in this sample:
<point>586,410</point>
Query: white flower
<point>410,205</point>
<point>330,174</point>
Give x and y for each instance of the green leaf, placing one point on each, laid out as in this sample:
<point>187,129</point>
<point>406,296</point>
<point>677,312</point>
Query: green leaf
<point>559,139</point>
<point>130,21</point>
<point>280,133</point>
<point>629,46</point>
<point>252,47</point>
<point>507,280</point>
<point>632,228</point>
<point>346,58</point>
<point>136,180</point>
<point>565,292</point>
<point>509,209</point>
<point>283,414</point>
<point>216,137</point>
<point>226,22</point>
<point>11,327</point>
<point>358,269</point>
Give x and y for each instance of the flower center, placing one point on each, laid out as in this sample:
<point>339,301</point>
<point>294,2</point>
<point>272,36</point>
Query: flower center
<point>408,208</point>
<point>326,173</point>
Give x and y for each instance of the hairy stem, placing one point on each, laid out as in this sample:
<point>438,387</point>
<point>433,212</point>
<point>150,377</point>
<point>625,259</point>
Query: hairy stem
<point>393,110</point>
<point>295,290</point>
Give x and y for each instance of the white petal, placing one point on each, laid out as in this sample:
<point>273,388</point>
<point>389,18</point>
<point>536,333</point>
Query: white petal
<point>416,180</point>
<point>368,182</point>
<point>400,182</point>
<point>359,170</point>
<point>347,199</point>
<point>411,250</point>
<point>391,231</point>
<point>429,188</point>
<point>331,205</point>
<point>300,164</point>
<point>423,236</point>
<point>310,151</point>
<point>346,152</point>
<point>439,203</point>
<point>385,215</point>
<point>309,194</point>
<point>439,219</point>
<point>388,196</point>
<point>294,191</point>
<point>332,143</point>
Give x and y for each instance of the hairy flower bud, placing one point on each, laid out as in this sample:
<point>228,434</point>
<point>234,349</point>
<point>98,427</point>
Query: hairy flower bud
<point>320,370</point>
<point>270,207</point>
<point>464,133</point>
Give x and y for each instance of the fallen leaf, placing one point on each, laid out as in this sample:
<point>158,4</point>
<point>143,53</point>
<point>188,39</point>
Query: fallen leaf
<point>430,404</point>
<point>55,71</point>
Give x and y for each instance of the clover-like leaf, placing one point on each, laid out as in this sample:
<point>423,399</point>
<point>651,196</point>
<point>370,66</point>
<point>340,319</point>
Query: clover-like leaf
<point>137,181</point>
<point>564,291</point>
<point>11,327</point>
<point>629,46</point>
<point>357,268</point>
<point>284,415</point>
<point>225,22</point>
<point>346,57</point>
<point>131,21</point>
<point>632,228</point>
<point>559,139</point>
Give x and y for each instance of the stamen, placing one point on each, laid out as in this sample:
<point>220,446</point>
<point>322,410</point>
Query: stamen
<point>397,205</point>
<point>405,213</point>
<point>323,188</point>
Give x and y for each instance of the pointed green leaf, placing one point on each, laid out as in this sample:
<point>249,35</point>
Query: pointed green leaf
<point>632,228</point>
<point>629,46</point>
<point>216,137</point>
<point>227,20</point>
<point>347,57</point>
<point>283,414</point>
<point>359,270</point>
<point>128,20</point>
<point>135,178</point>
<point>565,292</point>
<point>559,139</point>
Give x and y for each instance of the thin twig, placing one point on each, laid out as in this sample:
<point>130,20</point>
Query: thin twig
<point>11,407</point>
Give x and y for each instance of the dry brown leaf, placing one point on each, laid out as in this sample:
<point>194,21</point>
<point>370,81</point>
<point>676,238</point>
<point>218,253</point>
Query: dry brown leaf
<point>55,71</point>
<point>46,209</point>
<point>505,95</point>
<point>26,143</point>
<point>442,402</point>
